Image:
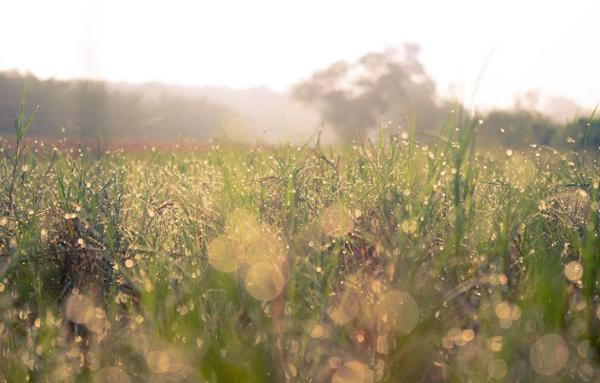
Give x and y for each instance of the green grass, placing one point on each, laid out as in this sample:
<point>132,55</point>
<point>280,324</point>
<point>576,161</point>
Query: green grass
<point>391,261</point>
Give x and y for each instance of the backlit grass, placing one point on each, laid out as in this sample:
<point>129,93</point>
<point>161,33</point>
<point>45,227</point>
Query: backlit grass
<point>387,261</point>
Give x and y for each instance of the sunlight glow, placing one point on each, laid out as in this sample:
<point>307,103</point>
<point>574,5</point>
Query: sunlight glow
<point>537,45</point>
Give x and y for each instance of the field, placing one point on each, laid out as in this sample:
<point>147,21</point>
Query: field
<point>391,260</point>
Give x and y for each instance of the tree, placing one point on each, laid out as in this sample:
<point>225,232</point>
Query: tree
<point>356,96</point>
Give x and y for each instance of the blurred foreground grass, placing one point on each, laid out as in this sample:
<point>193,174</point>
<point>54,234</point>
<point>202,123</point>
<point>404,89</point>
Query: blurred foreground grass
<point>389,261</point>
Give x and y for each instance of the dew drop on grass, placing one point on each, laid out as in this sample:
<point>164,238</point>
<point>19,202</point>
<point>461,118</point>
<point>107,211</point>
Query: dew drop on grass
<point>264,281</point>
<point>359,336</point>
<point>317,331</point>
<point>502,310</point>
<point>549,354</point>
<point>468,335</point>
<point>574,271</point>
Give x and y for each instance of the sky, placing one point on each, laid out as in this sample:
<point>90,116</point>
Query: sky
<point>489,49</point>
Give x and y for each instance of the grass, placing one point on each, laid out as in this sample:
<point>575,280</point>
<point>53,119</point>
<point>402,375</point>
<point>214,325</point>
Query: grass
<point>391,261</point>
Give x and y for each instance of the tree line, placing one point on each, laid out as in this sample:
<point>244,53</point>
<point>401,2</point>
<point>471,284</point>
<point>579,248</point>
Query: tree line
<point>99,110</point>
<point>352,98</point>
<point>392,86</point>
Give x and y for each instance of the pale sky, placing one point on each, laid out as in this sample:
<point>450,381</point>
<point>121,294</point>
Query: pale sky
<point>549,46</point>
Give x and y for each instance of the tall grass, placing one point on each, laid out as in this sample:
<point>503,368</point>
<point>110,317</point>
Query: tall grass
<point>392,261</point>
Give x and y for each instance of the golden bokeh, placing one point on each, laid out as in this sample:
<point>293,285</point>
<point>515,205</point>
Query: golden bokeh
<point>264,281</point>
<point>80,309</point>
<point>159,362</point>
<point>397,310</point>
<point>222,255</point>
<point>549,354</point>
<point>573,271</point>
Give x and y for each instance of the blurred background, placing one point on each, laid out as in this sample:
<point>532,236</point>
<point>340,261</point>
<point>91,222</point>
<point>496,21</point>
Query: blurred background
<point>138,72</point>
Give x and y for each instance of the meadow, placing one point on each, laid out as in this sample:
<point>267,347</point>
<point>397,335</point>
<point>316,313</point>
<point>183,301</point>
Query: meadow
<point>396,259</point>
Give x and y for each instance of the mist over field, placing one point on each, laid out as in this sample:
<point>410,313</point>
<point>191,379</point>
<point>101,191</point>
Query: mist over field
<point>345,101</point>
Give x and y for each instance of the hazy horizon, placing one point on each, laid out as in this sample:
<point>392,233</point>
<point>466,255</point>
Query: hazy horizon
<point>545,47</point>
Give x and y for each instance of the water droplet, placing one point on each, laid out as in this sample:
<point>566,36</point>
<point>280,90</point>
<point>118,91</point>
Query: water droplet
<point>502,310</point>
<point>468,335</point>
<point>574,271</point>
<point>317,331</point>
